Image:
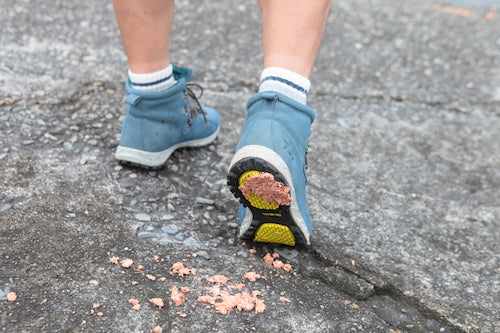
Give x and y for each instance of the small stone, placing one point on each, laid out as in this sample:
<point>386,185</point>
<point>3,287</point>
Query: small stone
<point>232,225</point>
<point>3,294</point>
<point>142,217</point>
<point>390,315</point>
<point>179,237</point>
<point>167,217</point>
<point>484,271</point>
<point>213,242</point>
<point>166,240</point>
<point>287,253</point>
<point>222,218</point>
<point>149,228</point>
<point>172,195</point>
<point>5,208</point>
<point>342,122</point>
<point>203,254</point>
<point>171,229</point>
<point>432,325</point>
<point>204,201</point>
<point>243,253</point>
<point>191,241</point>
<point>2,156</point>
<point>146,234</point>
<point>68,146</point>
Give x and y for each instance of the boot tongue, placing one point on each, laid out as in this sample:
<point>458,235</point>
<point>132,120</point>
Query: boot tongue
<point>182,73</point>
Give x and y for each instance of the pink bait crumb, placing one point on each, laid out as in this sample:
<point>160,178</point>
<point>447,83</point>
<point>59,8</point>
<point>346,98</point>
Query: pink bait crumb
<point>127,263</point>
<point>268,259</point>
<point>217,279</point>
<point>114,260</point>
<point>265,186</point>
<point>251,276</point>
<point>178,268</point>
<point>157,301</point>
<point>177,297</point>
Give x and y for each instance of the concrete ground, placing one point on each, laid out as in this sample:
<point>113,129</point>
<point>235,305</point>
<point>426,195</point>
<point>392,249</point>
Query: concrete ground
<point>404,175</point>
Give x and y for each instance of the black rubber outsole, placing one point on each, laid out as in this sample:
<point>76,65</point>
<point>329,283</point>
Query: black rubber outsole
<point>286,219</point>
<point>141,166</point>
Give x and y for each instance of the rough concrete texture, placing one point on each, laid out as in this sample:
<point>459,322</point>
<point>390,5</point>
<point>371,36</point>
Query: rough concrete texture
<point>404,170</point>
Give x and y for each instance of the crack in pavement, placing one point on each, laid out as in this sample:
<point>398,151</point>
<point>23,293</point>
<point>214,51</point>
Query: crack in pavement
<point>372,290</point>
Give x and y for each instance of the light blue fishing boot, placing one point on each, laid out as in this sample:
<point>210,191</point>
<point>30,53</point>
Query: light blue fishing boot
<point>273,142</point>
<point>157,123</point>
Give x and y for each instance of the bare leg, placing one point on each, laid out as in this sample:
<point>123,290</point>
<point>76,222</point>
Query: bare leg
<point>145,29</point>
<point>292,32</point>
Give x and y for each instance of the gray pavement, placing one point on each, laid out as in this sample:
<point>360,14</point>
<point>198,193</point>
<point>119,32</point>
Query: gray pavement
<point>404,170</point>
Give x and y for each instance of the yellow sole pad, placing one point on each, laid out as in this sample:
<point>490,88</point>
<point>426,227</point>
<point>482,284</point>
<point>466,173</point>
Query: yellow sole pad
<point>274,233</point>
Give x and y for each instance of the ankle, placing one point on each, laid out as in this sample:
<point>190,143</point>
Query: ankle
<point>155,81</point>
<point>286,82</point>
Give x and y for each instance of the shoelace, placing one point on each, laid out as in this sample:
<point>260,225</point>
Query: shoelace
<point>192,99</point>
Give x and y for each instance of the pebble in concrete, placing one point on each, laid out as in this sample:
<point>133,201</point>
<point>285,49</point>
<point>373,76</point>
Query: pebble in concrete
<point>143,217</point>
<point>171,229</point>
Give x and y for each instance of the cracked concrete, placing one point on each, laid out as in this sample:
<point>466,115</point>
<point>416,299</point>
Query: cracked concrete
<point>404,175</point>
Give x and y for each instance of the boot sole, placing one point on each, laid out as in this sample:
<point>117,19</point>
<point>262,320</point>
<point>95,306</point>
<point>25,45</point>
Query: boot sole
<point>264,221</point>
<point>156,160</point>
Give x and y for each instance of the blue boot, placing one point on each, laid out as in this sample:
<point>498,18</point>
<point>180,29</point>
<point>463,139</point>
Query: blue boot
<point>274,141</point>
<point>157,123</point>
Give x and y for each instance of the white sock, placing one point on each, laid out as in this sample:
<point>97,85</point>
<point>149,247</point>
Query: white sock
<point>156,81</point>
<point>285,82</point>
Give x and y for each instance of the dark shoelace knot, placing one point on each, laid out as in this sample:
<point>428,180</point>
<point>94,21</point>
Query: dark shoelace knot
<point>193,106</point>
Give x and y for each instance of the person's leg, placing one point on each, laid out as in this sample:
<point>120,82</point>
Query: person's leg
<point>145,29</point>
<point>291,36</point>
<point>267,173</point>
<point>291,33</point>
<point>162,112</point>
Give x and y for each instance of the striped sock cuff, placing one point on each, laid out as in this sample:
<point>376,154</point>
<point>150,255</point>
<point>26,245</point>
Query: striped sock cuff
<point>156,81</point>
<point>286,82</point>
